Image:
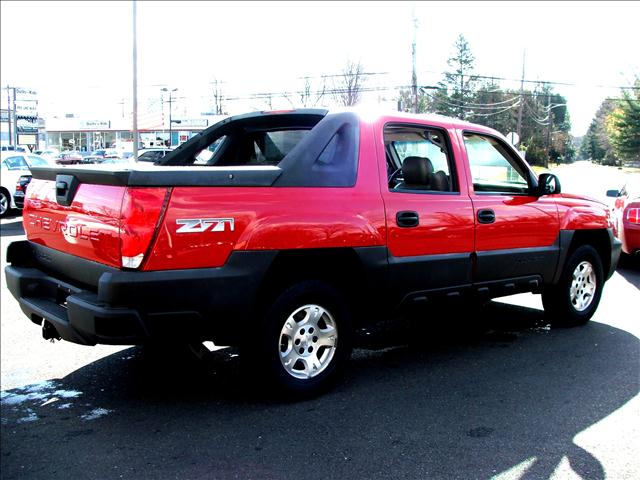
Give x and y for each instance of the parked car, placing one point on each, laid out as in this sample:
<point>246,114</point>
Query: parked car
<point>50,152</point>
<point>95,157</point>
<point>626,213</point>
<point>21,190</point>
<point>23,181</point>
<point>153,154</point>
<point>302,226</point>
<point>13,148</point>
<point>69,158</point>
<point>13,165</point>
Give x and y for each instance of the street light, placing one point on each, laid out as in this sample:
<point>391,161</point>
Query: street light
<point>170,120</point>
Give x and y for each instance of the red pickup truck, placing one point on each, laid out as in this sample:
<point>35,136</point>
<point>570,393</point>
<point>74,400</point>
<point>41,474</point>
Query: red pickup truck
<point>280,232</point>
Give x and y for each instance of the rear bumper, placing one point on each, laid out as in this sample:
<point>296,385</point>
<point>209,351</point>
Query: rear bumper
<point>131,307</point>
<point>630,236</point>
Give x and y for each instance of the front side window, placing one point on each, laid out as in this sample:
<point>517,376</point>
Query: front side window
<point>493,168</point>
<point>418,159</point>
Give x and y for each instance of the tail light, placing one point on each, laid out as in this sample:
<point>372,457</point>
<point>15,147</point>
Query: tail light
<point>141,214</point>
<point>633,215</point>
<point>21,185</point>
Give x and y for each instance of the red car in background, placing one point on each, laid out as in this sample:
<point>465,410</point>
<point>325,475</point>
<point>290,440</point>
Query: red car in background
<point>68,158</point>
<point>626,214</point>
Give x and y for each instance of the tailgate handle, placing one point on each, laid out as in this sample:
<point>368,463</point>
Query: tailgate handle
<point>61,188</point>
<point>66,187</point>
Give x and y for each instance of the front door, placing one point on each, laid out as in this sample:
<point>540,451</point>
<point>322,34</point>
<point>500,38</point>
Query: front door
<point>516,232</point>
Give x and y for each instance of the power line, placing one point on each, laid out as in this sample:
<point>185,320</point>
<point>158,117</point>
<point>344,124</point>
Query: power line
<point>494,113</point>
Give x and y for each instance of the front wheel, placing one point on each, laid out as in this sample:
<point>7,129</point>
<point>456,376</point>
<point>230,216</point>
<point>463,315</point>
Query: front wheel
<point>5,203</point>
<point>304,341</point>
<point>574,299</point>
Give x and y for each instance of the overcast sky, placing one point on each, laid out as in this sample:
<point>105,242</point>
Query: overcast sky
<point>78,55</point>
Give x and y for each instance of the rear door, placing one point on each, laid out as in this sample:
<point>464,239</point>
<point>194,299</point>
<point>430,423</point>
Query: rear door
<point>516,232</point>
<point>429,220</point>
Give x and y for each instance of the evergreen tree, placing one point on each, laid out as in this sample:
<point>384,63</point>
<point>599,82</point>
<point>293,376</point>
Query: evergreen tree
<point>625,134</point>
<point>596,143</point>
<point>457,90</point>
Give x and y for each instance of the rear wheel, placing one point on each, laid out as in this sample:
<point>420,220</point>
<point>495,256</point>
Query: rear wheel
<point>304,341</point>
<point>574,299</point>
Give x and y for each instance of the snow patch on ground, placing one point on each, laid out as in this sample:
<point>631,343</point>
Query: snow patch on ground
<point>26,401</point>
<point>96,413</point>
<point>29,417</point>
<point>44,391</point>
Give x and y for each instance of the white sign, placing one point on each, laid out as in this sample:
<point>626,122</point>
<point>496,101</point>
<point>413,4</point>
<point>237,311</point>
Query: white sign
<point>26,108</point>
<point>192,122</point>
<point>513,138</point>
<point>95,124</point>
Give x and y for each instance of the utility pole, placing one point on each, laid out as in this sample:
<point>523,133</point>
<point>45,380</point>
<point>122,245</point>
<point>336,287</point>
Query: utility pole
<point>170,115</point>
<point>549,114</point>
<point>135,86</point>
<point>9,114</point>
<point>15,119</point>
<point>414,76</point>
<point>519,127</point>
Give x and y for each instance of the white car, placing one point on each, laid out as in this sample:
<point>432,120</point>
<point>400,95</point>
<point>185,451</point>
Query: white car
<point>50,153</point>
<point>12,166</point>
<point>153,154</point>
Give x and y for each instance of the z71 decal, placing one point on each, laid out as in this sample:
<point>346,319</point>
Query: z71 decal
<point>195,225</point>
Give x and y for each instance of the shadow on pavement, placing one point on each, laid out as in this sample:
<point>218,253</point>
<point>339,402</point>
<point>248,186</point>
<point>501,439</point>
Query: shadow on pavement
<point>12,226</point>
<point>629,268</point>
<point>419,402</point>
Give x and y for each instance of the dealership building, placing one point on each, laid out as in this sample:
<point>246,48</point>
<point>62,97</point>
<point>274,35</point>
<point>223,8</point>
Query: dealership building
<point>21,124</point>
<point>90,134</point>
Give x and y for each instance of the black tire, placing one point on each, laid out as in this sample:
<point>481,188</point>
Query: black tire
<point>557,299</point>
<point>261,355</point>
<point>5,203</point>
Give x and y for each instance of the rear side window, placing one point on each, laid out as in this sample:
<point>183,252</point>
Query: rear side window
<point>257,148</point>
<point>418,160</point>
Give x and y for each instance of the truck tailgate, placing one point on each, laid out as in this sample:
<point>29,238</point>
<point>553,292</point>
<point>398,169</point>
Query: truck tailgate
<point>109,224</point>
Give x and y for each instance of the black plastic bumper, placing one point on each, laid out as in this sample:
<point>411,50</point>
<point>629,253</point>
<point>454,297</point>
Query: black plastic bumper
<point>100,304</point>
<point>616,249</point>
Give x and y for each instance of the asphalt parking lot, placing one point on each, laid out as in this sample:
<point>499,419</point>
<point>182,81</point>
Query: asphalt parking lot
<point>505,397</point>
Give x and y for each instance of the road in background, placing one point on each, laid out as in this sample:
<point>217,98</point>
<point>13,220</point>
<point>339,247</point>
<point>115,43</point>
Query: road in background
<point>506,397</point>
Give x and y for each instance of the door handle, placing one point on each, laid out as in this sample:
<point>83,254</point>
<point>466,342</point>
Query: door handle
<point>407,219</point>
<point>486,216</point>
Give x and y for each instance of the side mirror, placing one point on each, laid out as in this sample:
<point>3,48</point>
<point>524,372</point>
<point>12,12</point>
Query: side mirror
<point>613,193</point>
<point>548,184</point>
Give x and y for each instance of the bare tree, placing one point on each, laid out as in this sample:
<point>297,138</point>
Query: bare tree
<point>348,90</point>
<point>310,95</point>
